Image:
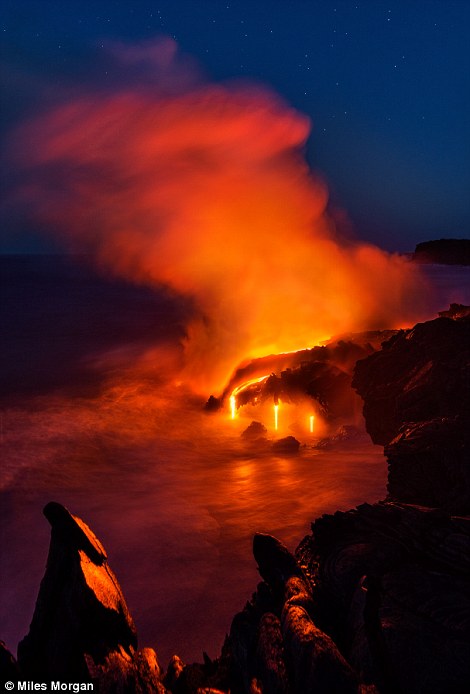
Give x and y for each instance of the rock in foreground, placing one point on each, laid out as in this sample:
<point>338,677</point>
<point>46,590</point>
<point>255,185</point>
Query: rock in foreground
<point>81,628</point>
<point>390,585</point>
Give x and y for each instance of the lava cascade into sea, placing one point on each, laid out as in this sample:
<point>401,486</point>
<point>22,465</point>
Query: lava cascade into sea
<point>205,190</point>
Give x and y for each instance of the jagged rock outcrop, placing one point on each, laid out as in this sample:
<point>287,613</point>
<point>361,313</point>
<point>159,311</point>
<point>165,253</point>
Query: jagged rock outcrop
<point>416,394</point>
<point>390,585</point>
<point>443,251</point>
<point>81,628</point>
<point>419,374</point>
<point>9,670</point>
<point>274,645</point>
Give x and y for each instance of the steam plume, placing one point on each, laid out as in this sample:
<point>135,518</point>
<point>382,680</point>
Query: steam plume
<point>208,192</point>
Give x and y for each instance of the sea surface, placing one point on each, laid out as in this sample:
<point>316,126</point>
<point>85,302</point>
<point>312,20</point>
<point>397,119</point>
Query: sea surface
<point>92,416</point>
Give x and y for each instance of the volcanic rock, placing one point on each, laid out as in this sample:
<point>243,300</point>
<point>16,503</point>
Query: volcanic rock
<point>254,431</point>
<point>138,673</point>
<point>9,671</point>
<point>429,464</point>
<point>455,311</point>
<point>286,446</point>
<point>270,656</point>
<point>390,585</point>
<point>81,627</point>
<point>443,251</point>
<point>275,563</point>
<point>419,374</point>
<point>274,643</point>
<point>416,393</point>
<point>213,404</point>
<point>347,433</point>
<point>174,670</point>
<point>316,662</point>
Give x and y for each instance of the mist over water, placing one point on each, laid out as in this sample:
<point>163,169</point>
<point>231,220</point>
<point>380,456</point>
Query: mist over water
<point>176,506</point>
<point>92,417</point>
<point>97,422</point>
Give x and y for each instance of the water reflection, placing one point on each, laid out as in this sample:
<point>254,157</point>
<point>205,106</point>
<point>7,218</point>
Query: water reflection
<point>175,496</point>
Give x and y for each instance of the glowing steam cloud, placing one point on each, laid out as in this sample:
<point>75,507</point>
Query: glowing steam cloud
<point>208,192</point>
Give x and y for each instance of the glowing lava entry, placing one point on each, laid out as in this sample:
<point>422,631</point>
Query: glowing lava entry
<point>246,385</point>
<point>239,389</point>
<point>276,416</point>
<point>312,419</point>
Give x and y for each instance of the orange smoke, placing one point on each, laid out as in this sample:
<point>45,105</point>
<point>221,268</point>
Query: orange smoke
<point>208,192</point>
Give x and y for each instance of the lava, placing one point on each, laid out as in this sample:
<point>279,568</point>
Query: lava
<point>233,406</point>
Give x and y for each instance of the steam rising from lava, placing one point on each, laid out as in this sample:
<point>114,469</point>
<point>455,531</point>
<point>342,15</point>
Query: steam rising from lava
<point>208,192</point>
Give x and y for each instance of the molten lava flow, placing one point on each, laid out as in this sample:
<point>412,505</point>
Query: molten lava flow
<point>276,417</point>
<point>205,191</point>
<point>244,386</point>
<point>233,406</point>
<point>311,422</point>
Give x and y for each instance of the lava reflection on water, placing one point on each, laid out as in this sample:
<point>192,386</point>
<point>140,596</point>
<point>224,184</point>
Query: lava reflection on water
<point>174,494</point>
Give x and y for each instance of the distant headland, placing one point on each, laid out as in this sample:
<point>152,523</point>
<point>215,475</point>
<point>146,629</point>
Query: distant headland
<point>443,251</point>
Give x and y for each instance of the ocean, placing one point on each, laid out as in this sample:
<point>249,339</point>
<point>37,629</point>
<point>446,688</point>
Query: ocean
<point>93,416</point>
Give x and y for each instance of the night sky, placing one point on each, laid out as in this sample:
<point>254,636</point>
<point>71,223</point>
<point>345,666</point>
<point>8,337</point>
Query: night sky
<point>385,84</point>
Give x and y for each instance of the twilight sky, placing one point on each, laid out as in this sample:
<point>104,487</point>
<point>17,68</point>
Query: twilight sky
<point>385,84</point>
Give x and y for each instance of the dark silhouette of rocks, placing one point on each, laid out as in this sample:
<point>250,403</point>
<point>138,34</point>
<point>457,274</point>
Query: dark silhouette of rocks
<point>347,433</point>
<point>455,311</point>
<point>286,446</point>
<point>274,642</point>
<point>416,394</point>
<point>443,251</point>
<point>9,670</point>
<point>81,628</point>
<point>390,584</point>
<point>254,432</point>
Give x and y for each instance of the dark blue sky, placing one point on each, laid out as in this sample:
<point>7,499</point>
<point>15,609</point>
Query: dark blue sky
<point>386,85</point>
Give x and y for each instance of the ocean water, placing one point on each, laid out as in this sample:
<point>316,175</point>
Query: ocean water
<point>92,417</point>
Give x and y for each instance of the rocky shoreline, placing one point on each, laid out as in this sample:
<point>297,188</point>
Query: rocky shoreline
<point>375,599</point>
